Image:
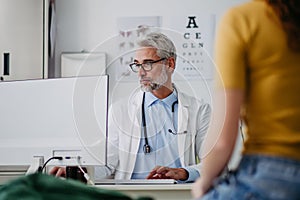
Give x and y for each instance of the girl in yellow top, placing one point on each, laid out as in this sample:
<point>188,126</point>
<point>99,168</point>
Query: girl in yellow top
<point>258,59</point>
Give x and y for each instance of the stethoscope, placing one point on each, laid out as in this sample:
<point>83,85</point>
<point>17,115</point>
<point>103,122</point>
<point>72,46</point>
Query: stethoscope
<point>147,147</point>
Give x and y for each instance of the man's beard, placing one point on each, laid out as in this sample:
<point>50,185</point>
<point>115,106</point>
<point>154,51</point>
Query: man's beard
<point>157,83</point>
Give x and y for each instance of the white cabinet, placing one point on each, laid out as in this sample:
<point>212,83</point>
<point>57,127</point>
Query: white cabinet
<point>21,39</point>
<point>83,64</point>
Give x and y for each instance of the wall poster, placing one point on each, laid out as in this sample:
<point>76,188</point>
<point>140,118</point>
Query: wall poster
<point>194,45</point>
<point>193,36</point>
<point>129,29</point>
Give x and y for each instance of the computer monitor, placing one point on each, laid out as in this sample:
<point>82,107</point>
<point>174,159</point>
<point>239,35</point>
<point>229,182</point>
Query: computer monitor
<point>54,117</point>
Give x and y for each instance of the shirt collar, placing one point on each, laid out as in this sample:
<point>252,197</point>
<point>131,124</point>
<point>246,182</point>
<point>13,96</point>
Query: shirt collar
<point>150,99</point>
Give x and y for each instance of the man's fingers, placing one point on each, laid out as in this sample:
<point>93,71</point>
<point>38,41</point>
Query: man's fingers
<point>54,170</point>
<point>159,172</point>
<point>163,170</point>
<point>153,172</point>
<point>61,172</point>
<point>58,171</point>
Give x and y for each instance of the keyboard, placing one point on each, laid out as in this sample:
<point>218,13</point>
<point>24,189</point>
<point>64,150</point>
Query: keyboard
<point>136,182</point>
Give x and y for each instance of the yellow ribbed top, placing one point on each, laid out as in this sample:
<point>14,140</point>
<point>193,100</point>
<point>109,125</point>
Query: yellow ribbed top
<point>252,54</point>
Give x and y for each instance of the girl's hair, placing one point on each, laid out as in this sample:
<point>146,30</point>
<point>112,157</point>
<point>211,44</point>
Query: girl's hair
<point>288,12</point>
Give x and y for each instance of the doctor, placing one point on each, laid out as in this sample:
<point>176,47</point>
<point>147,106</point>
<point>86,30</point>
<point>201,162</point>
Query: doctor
<point>158,131</point>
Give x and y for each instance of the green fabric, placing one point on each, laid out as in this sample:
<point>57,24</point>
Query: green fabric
<point>45,187</point>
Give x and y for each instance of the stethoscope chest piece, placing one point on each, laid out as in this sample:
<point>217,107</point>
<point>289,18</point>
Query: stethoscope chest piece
<point>147,148</point>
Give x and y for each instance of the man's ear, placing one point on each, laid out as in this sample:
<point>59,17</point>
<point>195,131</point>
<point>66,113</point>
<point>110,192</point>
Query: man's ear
<point>171,63</point>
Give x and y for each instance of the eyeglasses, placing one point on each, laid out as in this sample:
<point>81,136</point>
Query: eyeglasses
<point>147,66</point>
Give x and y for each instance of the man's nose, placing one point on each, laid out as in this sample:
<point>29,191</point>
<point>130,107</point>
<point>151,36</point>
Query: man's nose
<point>141,72</point>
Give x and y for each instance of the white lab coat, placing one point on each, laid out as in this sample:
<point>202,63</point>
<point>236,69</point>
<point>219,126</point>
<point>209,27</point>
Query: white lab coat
<point>124,133</point>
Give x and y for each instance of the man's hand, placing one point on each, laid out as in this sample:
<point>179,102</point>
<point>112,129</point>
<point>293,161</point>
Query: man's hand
<point>58,171</point>
<point>162,172</point>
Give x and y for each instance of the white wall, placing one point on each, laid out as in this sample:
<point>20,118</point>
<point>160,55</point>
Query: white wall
<point>91,24</point>
<point>83,24</point>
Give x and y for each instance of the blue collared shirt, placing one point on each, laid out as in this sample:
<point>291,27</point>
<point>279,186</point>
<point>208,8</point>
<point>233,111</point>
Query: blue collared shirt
<point>164,145</point>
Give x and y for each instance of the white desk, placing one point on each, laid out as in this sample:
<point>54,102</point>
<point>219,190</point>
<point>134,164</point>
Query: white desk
<point>158,192</point>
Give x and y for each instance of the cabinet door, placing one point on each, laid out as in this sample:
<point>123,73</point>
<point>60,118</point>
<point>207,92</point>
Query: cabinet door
<point>21,39</point>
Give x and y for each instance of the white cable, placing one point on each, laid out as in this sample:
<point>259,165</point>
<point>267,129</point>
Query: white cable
<point>86,176</point>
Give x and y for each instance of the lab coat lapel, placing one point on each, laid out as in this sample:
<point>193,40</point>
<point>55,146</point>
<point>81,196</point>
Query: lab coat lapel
<point>136,128</point>
<point>183,119</point>
<point>135,107</point>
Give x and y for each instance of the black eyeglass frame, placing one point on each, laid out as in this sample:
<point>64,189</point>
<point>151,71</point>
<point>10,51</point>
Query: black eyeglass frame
<point>135,66</point>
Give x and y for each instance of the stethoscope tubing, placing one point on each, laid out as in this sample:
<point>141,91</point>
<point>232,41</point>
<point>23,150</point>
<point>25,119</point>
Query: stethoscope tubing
<point>147,147</point>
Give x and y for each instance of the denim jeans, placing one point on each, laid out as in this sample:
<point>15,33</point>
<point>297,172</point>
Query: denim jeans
<point>259,177</point>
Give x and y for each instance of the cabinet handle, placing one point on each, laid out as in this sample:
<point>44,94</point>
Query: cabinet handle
<point>6,63</point>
